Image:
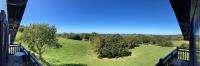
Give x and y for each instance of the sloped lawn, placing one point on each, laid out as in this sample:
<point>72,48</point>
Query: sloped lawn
<point>79,53</point>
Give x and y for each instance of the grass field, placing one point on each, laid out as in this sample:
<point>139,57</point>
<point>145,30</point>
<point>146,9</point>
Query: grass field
<point>80,53</point>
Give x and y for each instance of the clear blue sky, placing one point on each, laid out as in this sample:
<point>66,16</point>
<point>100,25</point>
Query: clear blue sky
<point>104,16</point>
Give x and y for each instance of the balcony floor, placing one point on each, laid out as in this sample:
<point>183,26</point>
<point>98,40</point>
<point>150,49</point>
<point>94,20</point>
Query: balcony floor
<point>17,62</point>
<point>177,62</point>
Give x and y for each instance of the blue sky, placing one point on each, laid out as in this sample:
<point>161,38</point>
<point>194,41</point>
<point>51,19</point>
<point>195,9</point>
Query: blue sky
<point>104,16</point>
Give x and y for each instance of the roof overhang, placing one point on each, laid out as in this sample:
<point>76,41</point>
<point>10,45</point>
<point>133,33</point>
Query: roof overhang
<point>15,11</point>
<point>182,10</point>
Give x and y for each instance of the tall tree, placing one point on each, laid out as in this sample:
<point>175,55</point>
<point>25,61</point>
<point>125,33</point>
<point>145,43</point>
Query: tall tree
<point>39,37</point>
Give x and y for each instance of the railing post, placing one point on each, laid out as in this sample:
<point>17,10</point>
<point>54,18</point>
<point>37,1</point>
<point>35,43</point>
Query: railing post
<point>20,47</point>
<point>29,53</point>
<point>40,64</point>
<point>176,55</point>
<point>20,44</point>
<point>160,62</point>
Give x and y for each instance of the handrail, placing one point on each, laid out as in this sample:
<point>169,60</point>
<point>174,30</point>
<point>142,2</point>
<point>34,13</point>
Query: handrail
<point>164,61</point>
<point>32,58</point>
<point>183,54</point>
<point>179,53</point>
<point>16,48</point>
<point>13,49</point>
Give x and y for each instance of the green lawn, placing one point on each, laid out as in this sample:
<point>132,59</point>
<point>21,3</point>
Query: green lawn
<point>79,52</point>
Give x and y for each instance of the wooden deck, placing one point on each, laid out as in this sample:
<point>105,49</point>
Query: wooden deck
<point>178,62</point>
<point>26,60</point>
<point>17,61</point>
<point>178,57</point>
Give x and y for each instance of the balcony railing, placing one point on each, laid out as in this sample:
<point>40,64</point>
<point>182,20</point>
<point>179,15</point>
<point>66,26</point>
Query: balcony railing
<point>29,59</point>
<point>176,57</point>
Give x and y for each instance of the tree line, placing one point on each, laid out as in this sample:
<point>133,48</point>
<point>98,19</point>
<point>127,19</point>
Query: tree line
<point>40,36</point>
<point>116,45</point>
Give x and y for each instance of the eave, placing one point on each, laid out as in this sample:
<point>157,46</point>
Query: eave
<point>182,10</point>
<point>15,9</point>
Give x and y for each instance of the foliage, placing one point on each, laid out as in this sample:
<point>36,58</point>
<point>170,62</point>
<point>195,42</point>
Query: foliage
<point>85,36</point>
<point>130,40</point>
<point>21,28</point>
<point>164,42</point>
<point>185,46</point>
<point>111,46</point>
<point>40,36</point>
<point>74,36</point>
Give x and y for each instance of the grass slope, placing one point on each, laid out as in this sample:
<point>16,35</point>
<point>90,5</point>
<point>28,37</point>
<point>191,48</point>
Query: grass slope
<point>78,52</point>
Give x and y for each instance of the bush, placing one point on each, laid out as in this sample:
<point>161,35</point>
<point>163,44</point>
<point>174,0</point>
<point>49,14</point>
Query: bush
<point>185,46</point>
<point>131,42</point>
<point>112,46</point>
<point>21,28</point>
<point>165,43</point>
<point>85,36</point>
<point>74,36</point>
<point>168,44</point>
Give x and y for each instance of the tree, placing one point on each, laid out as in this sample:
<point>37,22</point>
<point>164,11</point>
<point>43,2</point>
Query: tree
<point>39,37</point>
<point>110,46</point>
<point>65,35</point>
<point>21,28</point>
<point>85,36</point>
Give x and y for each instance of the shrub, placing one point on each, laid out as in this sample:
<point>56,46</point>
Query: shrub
<point>130,42</point>
<point>111,46</point>
<point>165,43</point>
<point>185,46</point>
<point>21,28</point>
<point>74,36</point>
<point>168,44</point>
<point>85,36</point>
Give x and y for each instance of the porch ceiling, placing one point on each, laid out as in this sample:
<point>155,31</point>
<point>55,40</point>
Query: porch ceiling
<point>15,9</point>
<point>182,10</point>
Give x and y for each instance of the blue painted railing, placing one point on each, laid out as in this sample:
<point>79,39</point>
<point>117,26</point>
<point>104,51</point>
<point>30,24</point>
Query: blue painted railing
<point>178,53</point>
<point>30,59</point>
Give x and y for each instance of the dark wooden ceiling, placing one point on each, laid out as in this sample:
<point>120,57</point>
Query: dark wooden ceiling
<point>15,9</point>
<point>182,10</point>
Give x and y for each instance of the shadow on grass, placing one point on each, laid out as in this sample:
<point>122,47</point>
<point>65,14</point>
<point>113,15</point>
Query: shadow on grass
<point>71,65</point>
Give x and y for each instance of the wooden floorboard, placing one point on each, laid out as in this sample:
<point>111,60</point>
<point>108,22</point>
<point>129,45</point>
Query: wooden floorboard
<point>13,61</point>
